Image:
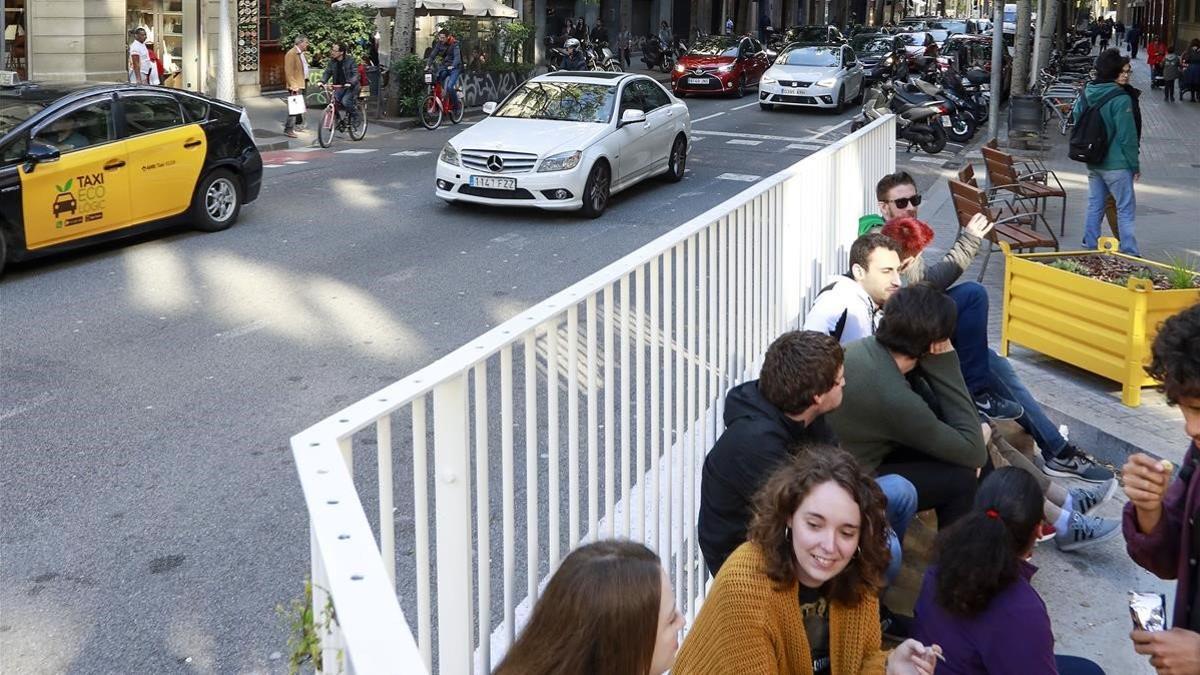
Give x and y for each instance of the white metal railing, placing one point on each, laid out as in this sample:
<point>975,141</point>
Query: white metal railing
<point>586,416</point>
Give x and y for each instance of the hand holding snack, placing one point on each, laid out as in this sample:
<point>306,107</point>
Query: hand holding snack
<point>1171,652</point>
<point>1146,480</point>
<point>913,658</point>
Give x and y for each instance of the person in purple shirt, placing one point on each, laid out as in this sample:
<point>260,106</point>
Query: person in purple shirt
<point>976,601</point>
<point>1160,523</point>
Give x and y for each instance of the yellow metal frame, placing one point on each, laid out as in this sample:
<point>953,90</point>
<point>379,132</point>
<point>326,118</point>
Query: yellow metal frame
<point>1096,325</point>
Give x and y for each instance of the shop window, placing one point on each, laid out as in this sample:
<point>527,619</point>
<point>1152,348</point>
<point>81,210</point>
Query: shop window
<point>16,36</point>
<point>163,21</point>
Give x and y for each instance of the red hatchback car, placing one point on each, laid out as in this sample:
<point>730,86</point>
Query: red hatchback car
<point>720,65</point>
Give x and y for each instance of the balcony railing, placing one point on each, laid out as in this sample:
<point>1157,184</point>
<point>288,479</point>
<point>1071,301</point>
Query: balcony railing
<point>586,416</point>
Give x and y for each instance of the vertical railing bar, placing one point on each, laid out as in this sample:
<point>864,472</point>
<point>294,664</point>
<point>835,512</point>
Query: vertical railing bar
<point>639,308</point>
<point>592,421</point>
<point>421,525</point>
<point>532,554</point>
<point>722,364</point>
<point>667,550</point>
<point>451,478</point>
<point>573,426</point>
<point>706,364</point>
<point>679,423</point>
<point>387,511</point>
<point>483,522</point>
<point>553,498</point>
<point>689,441</point>
<point>743,318</point>
<point>507,491</point>
<point>626,374</point>
<point>610,422</point>
<point>655,338</point>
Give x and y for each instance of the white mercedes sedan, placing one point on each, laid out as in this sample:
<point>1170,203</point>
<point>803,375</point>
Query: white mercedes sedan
<point>567,140</point>
<point>827,76</point>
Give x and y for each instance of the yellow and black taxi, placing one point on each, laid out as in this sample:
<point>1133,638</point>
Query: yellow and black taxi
<point>80,163</point>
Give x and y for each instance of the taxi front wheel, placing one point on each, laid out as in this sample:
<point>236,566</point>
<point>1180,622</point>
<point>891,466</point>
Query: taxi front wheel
<point>217,202</point>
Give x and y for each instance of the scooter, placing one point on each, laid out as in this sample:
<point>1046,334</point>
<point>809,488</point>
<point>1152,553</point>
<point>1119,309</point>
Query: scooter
<point>963,122</point>
<point>605,59</point>
<point>1081,46</point>
<point>654,54</point>
<point>920,124</point>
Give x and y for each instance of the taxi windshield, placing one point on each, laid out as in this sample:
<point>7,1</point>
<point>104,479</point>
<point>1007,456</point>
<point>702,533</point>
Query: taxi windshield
<point>13,113</point>
<point>561,101</point>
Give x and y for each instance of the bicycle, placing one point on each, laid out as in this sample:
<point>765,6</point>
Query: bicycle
<point>437,101</point>
<point>332,122</point>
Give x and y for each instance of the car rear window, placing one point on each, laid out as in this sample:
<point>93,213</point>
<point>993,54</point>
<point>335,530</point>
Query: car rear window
<point>144,114</point>
<point>196,109</point>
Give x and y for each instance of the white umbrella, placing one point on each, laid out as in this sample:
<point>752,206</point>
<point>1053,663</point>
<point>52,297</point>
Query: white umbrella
<point>423,7</point>
<point>488,8</point>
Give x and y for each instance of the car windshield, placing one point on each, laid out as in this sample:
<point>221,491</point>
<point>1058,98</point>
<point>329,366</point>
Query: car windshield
<point>13,113</point>
<point>914,39</point>
<point>952,26</point>
<point>715,47</point>
<point>808,34</point>
<point>871,44</point>
<point>561,101</point>
<point>819,57</point>
<point>939,35</point>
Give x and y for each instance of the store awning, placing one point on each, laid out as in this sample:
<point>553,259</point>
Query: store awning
<point>490,8</point>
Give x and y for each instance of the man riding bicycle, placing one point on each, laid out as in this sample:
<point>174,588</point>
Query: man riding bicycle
<point>342,70</point>
<point>447,47</point>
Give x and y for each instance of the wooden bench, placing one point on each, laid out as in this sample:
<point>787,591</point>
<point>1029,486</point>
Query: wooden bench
<point>1003,175</point>
<point>1004,207</point>
<point>970,200</point>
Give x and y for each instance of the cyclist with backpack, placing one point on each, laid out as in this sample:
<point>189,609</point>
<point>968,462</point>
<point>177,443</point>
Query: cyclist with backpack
<point>1106,139</point>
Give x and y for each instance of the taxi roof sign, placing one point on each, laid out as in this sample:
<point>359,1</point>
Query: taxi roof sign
<point>8,78</point>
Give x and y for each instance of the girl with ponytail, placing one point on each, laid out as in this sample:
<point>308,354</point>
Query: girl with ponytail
<point>976,601</point>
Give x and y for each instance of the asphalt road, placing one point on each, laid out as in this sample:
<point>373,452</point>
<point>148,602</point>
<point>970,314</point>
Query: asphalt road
<point>152,519</point>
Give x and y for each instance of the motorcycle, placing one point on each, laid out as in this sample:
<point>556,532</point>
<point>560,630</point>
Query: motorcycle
<point>654,54</point>
<point>963,122</point>
<point>603,58</point>
<point>1081,45</point>
<point>921,124</point>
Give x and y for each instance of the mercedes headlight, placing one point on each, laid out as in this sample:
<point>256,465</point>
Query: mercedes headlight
<point>449,155</point>
<point>725,68</point>
<point>768,80</point>
<point>679,68</point>
<point>827,82</point>
<point>561,162</point>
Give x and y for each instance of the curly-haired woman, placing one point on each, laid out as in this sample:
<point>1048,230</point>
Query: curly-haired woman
<point>800,596</point>
<point>977,603</point>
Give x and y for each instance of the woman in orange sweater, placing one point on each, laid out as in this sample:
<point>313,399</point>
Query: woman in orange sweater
<point>801,596</point>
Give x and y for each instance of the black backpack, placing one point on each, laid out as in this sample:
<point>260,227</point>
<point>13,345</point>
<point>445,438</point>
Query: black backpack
<point>1089,139</point>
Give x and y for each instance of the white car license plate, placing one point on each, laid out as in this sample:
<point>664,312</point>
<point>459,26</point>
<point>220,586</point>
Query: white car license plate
<point>697,80</point>
<point>792,91</point>
<point>494,183</point>
<point>945,121</point>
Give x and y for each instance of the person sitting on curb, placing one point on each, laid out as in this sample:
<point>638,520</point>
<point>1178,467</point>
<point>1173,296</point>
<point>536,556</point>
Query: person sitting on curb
<point>1060,458</point>
<point>905,408</point>
<point>1159,520</point>
<point>848,307</point>
<point>976,601</point>
<point>801,595</point>
<point>898,198</point>
<point>766,421</point>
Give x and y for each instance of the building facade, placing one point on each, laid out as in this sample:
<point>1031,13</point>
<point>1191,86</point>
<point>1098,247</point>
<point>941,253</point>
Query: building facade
<point>74,40</point>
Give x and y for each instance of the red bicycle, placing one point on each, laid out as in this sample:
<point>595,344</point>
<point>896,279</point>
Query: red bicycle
<point>437,102</point>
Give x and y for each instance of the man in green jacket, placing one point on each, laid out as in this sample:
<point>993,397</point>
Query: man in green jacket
<point>905,408</point>
<point>1120,168</point>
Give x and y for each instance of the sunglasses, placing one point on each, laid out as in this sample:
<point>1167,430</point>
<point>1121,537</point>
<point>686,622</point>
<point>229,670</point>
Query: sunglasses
<point>902,203</point>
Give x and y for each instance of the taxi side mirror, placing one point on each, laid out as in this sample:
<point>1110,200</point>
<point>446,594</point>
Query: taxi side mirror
<point>39,152</point>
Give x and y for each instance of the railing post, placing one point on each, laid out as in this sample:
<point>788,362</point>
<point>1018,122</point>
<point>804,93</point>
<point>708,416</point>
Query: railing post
<point>452,495</point>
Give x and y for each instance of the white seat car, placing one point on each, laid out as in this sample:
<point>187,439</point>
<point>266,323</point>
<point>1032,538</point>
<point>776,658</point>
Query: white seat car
<point>825,76</point>
<point>567,140</point>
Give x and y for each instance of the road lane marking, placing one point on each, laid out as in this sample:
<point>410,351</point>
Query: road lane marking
<point>805,146</point>
<point>747,105</point>
<point>411,153</point>
<point>313,149</point>
<point>742,141</point>
<point>708,117</point>
<point>756,137</point>
<point>742,177</point>
<point>836,126</point>
<point>296,161</point>
<point>357,151</point>
<point>272,166</point>
<point>928,160</point>
<point>36,401</point>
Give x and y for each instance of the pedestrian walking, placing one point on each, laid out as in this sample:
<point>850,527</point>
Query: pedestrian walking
<point>1106,31</point>
<point>729,26</point>
<point>295,76</point>
<point>599,32</point>
<point>1094,31</point>
<point>1134,37</point>
<point>1120,28</point>
<point>1155,51</point>
<point>1191,70</point>
<point>1135,96</point>
<point>1119,168</point>
<point>624,46</point>
<point>141,68</point>
<point>1170,73</point>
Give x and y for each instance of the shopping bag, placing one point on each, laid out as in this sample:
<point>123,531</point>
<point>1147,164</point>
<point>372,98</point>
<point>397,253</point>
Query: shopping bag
<point>296,105</point>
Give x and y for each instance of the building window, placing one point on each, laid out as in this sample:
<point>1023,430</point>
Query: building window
<point>163,21</point>
<point>16,36</point>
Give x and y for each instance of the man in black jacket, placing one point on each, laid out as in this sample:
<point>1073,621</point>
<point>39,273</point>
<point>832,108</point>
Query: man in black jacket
<point>766,421</point>
<point>341,69</point>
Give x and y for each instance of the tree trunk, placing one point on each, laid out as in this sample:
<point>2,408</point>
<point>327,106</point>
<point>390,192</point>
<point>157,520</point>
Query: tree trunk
<point>1020,76</point>
<point>402,45</point>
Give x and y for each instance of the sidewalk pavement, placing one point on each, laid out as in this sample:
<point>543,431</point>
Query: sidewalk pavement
<point>267,112</point>
<point>1085,591</point>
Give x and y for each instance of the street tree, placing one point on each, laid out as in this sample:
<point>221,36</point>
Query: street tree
<point>402,45</point>
<point>1049,26</point>
<point>1020,75</point>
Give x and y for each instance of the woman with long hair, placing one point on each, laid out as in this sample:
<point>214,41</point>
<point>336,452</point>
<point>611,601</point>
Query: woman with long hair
<point>801,596</point>
<point>976,600</point>
<point>608,609</point>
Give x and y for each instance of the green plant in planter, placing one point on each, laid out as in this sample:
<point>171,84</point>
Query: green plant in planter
<point>305,630</point>
<point>1181,274</point>
<point>1067,265</point>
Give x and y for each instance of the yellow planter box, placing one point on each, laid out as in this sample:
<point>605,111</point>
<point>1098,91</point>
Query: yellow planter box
<point>1101,327</point>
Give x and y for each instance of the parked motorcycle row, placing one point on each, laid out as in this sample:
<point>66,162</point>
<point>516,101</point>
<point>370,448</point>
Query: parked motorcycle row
<point>599,55</point>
